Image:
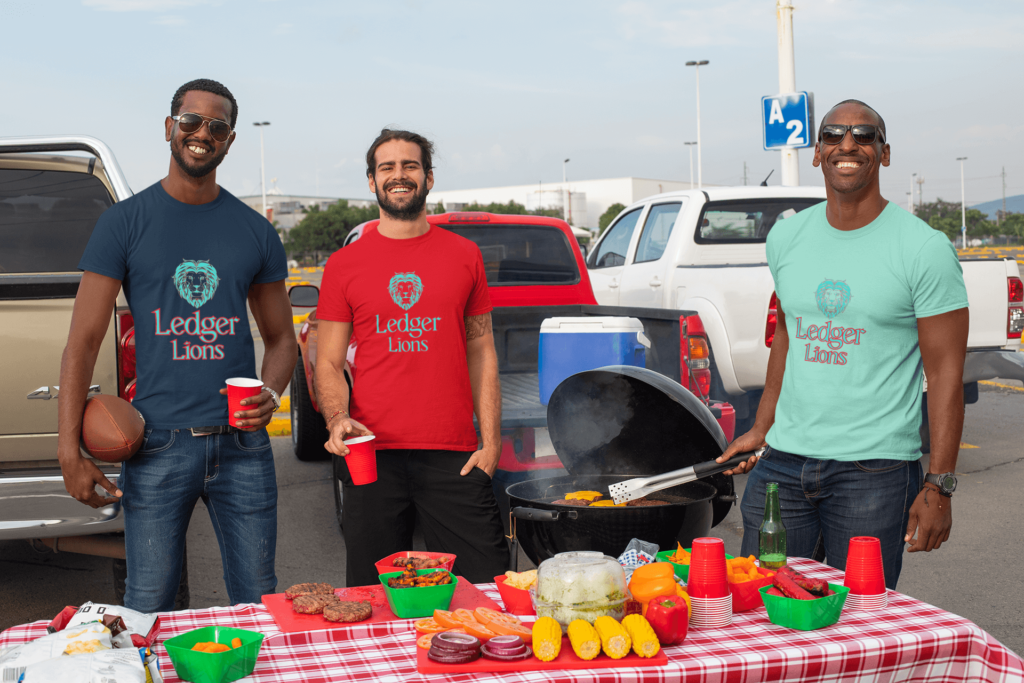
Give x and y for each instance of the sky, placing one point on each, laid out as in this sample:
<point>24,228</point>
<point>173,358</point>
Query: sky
<point>508,90</point>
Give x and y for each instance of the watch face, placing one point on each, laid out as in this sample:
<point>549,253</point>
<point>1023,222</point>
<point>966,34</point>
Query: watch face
<point>948,483</point>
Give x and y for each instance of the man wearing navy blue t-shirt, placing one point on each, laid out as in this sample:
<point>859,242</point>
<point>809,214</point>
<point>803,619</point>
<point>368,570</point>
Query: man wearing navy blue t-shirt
<point>189,255</point>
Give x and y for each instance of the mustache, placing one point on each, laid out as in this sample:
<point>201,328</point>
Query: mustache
<point>408,184</point>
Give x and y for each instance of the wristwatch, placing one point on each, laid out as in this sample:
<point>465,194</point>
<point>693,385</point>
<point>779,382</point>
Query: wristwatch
<point>945,481</point>
<point>277,404</point>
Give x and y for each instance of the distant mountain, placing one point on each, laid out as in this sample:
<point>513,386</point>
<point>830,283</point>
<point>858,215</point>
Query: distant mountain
<point>1014,204</point>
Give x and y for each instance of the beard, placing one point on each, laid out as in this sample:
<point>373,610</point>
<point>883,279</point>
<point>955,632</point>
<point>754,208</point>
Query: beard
<point>411,207</point>
<point>200,170</point>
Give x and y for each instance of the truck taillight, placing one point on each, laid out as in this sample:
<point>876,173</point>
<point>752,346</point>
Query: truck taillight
<point>695,357</point>
<point>126,356</point>
<point>1015,307</point>
<point>773,320</point>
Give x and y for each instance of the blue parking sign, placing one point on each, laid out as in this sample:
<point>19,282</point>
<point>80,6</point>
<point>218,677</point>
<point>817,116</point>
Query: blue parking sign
<point>788,120</point>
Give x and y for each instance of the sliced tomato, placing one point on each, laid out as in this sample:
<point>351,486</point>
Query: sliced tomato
<point>477,629</point>
<point>464,616</point>
<point>486,615</point>
<point>508,628</point>
<point>446,619</point>
<point>424,640</point>
<point>428,625</point>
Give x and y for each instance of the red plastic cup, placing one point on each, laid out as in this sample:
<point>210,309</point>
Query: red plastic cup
<point>864,572</point>
<point>362,460</point>
<point>238,389</point>
<point>707,577</point>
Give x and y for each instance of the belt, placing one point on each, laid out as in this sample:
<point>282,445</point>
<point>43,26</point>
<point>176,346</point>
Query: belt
<point>216,429</point>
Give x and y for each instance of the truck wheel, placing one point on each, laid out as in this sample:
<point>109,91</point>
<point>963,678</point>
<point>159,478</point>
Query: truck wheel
<point>309,432</point>
<point>181,601</point>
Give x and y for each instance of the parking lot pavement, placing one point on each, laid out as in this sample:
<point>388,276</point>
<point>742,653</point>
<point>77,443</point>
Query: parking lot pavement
<point>974,575</point>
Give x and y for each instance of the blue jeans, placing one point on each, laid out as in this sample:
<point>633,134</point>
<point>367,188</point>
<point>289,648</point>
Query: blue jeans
<point>826,502</point>
<point>234,475</point>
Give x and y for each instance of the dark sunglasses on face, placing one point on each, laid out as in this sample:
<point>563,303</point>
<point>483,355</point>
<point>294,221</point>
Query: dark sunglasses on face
<point>863,134</point>
<point>190,123</point>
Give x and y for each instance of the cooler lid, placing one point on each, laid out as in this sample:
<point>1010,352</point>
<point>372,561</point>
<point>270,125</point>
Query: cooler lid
<point>590,324</point>
<point>621,419</point>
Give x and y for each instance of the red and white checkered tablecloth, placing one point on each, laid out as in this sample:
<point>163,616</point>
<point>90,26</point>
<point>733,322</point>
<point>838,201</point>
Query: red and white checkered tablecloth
<point>908,641</point>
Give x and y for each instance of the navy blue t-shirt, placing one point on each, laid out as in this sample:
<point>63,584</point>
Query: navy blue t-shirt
<point>186,271</point>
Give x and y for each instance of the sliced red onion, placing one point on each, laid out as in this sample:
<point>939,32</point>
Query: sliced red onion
<point>448,657</point>
<point>525,654</point>
<point>505,642</point>
<point>457,642</point>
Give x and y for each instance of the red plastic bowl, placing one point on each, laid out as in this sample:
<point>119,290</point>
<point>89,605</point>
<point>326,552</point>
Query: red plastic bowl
<point>517,600</point>
<point>385,566</point>
<point>746,595</point>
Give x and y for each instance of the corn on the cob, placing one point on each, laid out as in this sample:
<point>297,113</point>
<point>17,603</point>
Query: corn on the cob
<point>547,639</point>
<point>645,642</point>
<point>585,641</point>
<point>614,639</point>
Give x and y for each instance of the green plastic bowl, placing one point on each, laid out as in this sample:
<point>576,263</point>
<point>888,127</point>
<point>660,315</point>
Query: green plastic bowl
<point>214,667</point>
<point>805,615</point>
<point>682,570</point>
<point>413,603</point>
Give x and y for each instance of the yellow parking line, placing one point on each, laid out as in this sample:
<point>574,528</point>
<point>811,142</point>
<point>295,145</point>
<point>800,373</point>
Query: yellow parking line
<point>299,319</point>
<point>286,405</point>
<point>962,445</point>
<point>280,427</point>
<point>1001,386</point>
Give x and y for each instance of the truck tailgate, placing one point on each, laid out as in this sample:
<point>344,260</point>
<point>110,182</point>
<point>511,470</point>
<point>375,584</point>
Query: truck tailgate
<point>987,297</point>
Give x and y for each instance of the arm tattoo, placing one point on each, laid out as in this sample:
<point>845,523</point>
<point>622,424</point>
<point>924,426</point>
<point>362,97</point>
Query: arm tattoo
<point>478,326</point>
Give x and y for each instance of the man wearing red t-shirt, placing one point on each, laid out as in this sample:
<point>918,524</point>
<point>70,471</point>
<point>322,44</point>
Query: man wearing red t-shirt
<point>415,296</point>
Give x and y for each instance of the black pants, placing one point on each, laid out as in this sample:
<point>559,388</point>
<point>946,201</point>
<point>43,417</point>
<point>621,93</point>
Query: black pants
<point>457,514</point>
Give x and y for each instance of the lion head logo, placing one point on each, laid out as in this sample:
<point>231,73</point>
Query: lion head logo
<point>196,281</point>
<point>832,297</point>
<point>405,289</point>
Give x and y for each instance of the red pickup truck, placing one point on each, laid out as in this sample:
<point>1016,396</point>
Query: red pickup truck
<point>535,270</point>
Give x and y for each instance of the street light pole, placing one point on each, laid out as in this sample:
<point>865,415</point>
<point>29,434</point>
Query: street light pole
<point>963,204</point>
<point>910,204</point>
<point>566,210</point>
<point>263,173</point>
<point>700,167</point>
<point>689,146</point>
<point>787,84</point>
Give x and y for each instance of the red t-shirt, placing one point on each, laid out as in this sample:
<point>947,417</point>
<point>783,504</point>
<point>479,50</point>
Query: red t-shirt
<point>407,301</point>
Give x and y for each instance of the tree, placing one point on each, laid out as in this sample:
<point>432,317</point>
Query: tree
<point>608,216</point>
<point>439,208</point>
<point>325,230</point>
<point>1012,225</point>
<point>946,218</point>
<point>512,208</point>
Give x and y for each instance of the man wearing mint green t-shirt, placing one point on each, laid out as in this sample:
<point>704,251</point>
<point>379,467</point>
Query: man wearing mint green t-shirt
<point>870,299</point>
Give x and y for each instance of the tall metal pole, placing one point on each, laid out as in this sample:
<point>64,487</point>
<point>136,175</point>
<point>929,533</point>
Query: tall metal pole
<point>566,209</point>
<point>700,166</point>
<point>263,173</point>
<point>689,146</point>
<point>787,84</point>
<point>963,203</point>
<point>910,202</point>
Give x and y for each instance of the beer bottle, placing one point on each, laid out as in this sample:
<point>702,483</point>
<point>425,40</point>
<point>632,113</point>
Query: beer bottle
<point>772,534</point>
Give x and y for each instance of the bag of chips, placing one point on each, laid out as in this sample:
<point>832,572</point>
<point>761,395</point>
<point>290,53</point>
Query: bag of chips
<point>142,628</point>
<point>109,666</point>
<point>85,639</point>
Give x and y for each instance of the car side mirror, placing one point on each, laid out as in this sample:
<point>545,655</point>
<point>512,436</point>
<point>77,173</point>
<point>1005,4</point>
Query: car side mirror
<point>304,296</point>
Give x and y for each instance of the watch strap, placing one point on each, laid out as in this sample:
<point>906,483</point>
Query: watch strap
<point>936,481</point>
<point>274,397</point>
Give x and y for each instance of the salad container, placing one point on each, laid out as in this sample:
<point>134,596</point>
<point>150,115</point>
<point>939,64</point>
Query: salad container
<point>580,585</point>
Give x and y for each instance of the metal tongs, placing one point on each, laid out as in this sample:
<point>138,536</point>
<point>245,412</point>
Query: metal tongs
<point>632,489</point>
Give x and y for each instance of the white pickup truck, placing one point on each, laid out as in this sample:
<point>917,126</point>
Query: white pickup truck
<point>704,250</point>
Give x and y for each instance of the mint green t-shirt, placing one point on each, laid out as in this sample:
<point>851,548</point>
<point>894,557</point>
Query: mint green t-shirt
<point>853,381</point>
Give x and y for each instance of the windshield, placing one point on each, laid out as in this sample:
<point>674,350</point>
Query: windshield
<point>746,220</point>
<point>522,254</point>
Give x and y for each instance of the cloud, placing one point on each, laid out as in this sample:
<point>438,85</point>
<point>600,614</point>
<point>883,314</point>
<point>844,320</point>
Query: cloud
<point>169,20</point>
<point>140,5</point>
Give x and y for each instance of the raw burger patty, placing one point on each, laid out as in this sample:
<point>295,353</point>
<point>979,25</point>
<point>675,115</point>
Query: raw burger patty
<point>574,502</point>
<point>312,604</point>
<point>309,589</point>
<point>645,502</point>
<point>348,611</point>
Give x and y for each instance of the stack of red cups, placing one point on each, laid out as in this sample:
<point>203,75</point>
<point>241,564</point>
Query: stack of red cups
<point>707,585</point>
<point>865,576</point>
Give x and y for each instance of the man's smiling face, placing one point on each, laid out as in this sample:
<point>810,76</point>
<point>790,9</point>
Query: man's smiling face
<point>399,179</point>
<point>198,153</point>
<point>849,167</point>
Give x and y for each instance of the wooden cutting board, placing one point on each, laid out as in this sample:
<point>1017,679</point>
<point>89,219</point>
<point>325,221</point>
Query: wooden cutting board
<point>566,659</point>
<point>280,607</point>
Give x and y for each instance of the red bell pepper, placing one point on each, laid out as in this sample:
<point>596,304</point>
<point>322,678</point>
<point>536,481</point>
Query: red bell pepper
<point>670,619</point>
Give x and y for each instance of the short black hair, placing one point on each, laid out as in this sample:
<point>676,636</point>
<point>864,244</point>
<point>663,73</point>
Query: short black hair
<point>205,85</point>
<point>881,121</point>
<point>387,135</point>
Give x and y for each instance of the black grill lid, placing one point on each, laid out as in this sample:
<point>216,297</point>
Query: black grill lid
<point>622,419</point>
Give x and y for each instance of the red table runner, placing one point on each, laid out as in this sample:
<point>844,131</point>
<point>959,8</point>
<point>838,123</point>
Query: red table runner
<point>908,641</point>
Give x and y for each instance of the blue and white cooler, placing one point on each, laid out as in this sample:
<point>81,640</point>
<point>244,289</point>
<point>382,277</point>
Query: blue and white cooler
<point>571,345</point>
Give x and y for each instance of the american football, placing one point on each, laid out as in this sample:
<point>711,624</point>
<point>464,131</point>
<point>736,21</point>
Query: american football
<point>112,430</point>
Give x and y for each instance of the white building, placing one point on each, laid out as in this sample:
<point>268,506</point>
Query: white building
<point>286,209</point>
<point>590,198</point>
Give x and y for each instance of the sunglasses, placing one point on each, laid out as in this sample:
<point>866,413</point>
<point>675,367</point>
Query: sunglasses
<point>863,134</point>
<point>190,123</point>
